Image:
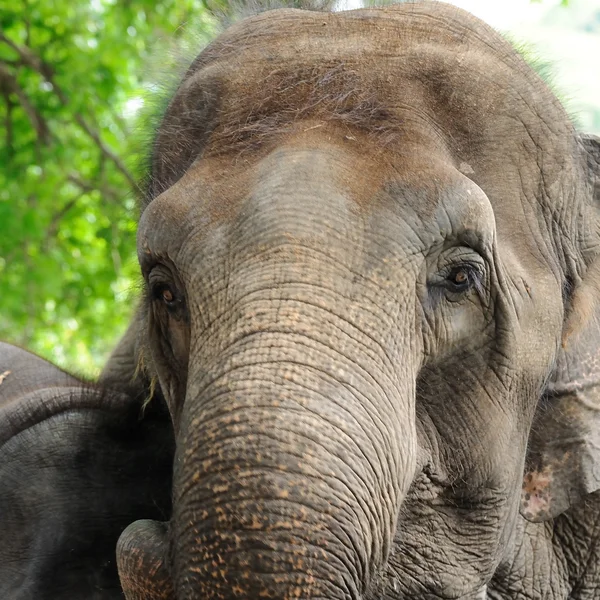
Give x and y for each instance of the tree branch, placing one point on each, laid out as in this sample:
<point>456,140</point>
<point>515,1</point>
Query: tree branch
<point>106,151</point>
<point>9,82</point>
<point>52,228</point>
<point>29,58</point>
<point>88,186</point>
<point>8,122</point>
<point>33,61</point>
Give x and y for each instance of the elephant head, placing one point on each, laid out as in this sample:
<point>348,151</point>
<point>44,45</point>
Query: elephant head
<point>364,239</point>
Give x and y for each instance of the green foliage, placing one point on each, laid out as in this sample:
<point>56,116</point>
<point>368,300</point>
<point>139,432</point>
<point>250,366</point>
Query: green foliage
<point>70,74</point>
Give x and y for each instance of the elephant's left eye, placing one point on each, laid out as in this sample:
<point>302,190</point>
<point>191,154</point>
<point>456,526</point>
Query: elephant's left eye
<point>462,278</point>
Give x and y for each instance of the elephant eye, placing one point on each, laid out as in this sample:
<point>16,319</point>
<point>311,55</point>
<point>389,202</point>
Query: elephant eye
<point>459,272</point>
<point>462,278</point>
<point>165,291</point>
<point>167,296</point>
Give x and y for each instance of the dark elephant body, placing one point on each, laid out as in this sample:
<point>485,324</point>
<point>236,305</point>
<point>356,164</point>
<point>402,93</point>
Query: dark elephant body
<point>77,465</point>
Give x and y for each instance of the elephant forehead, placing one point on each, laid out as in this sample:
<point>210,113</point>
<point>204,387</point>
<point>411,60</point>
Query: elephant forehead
<point>321,174</point>
<point>412,88</point>
<point>261,101</point>
<point>391,72</point>
<point>307,175</point>
<point>319,182</point>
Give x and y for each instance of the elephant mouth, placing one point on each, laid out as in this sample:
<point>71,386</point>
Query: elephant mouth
<point>145,575</point>
<point>144,558</point>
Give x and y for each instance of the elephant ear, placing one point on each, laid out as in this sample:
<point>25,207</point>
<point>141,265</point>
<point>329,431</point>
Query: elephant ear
<point>563,458</point>
<point>590,145</point>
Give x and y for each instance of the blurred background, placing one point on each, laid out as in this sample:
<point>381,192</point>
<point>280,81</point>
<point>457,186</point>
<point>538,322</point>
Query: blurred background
<point>78,82</point>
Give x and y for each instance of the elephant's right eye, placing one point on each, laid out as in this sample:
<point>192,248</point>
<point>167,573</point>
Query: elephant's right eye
<point>164,291</point>
<point>167,295</point>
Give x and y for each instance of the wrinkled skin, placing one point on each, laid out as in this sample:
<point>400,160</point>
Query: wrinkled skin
<point>560,558</point>
<point>368,239</point>
<point>77,465</point>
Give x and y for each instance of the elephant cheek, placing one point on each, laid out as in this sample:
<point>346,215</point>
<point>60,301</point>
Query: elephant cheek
<point>141,560</point>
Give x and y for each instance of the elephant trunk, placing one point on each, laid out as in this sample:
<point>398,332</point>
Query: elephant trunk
<point>292,463</point>
<point>141,560</point>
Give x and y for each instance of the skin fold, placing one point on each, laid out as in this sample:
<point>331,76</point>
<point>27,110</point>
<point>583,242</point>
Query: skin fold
<point>77,465</point>
<point>369,244</point>
<point>560,558</point>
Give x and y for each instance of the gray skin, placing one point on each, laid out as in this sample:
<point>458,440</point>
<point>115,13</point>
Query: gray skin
<point>367,240</point>
<point>77,465</point>
<point>560,557</point>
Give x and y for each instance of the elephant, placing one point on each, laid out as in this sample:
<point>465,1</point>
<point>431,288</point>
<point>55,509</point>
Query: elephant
<point>560,557</point>
<point>77,465</point>
<point>369,246</point>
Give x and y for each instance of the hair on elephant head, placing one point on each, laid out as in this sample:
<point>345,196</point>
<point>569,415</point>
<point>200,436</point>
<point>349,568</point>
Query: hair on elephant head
<point>365,237</point>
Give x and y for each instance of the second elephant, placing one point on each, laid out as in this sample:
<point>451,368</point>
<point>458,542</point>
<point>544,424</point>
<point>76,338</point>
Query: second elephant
<point>78,463</point>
